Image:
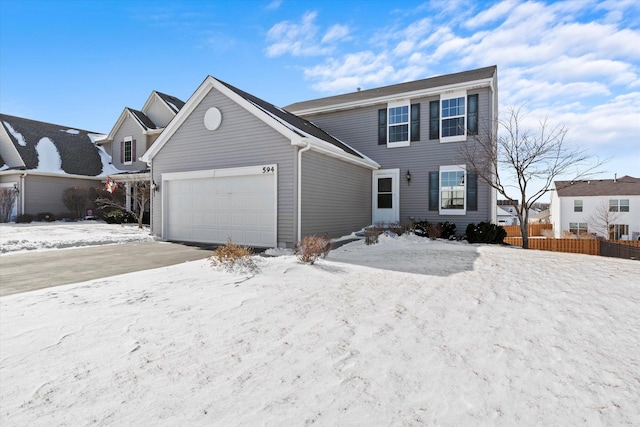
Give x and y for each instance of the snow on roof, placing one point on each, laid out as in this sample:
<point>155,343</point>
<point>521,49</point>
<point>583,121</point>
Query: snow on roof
<point>51,148</point>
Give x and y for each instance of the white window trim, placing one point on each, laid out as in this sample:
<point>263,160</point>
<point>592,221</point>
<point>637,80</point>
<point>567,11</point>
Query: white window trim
<point>124,161</point>
<point>455,138</point>
<point>453,168</point>
<point>394,104</point>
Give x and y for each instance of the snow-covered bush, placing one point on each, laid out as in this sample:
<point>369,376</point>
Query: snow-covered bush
<point>233,258</point>
<point>310,248</point>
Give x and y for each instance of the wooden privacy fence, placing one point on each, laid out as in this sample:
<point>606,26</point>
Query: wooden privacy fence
<point>535,229</point>
<point>576,246</point>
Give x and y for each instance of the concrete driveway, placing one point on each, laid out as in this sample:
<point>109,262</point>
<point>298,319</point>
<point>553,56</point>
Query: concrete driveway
<point>43,269</point>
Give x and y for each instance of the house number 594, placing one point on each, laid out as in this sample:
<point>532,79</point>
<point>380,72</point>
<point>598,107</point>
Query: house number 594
<point>268,169</point>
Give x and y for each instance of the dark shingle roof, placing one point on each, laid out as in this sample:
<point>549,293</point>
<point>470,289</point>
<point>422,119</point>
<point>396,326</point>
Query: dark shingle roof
<point>294,121</point>
<point>77,151</point>
<point>417,85</point>
<point>142,119</point>
<point>625,186</point>
<point>173,102</point>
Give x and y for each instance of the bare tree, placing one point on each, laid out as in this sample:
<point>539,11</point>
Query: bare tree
<point>140,194</point>
<point>527,155</point>
<point>7,202</point>
<point>602,219</point>
<point>76,199</point>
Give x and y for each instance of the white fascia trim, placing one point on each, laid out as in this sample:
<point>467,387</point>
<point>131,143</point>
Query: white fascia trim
<point>219,173</point>
<point>423,93</point>
<point>49,174</point>
<point>125,113</point>
<point>331,150</point>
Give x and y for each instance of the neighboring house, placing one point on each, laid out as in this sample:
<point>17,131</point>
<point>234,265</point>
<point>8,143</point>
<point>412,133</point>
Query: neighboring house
<point>543,216</point>
<point>506,213</point>
<point>231,165</point>
<point>133,133</point>
<point>577,207</point>
<point>40,160</point>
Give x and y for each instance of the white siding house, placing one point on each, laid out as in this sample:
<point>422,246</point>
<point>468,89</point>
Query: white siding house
<point>597,206</point>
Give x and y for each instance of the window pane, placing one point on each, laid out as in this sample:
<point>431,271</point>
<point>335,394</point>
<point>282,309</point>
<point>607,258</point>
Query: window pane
<point>384,185</point>
<point>613,206</point>
<point>453,107</point>
<point>577,205</point>
<point>452,200</point>
<point>453,127</point>
<point>399,115</point>
<point>398,133</point>
<point>624,205</point>
<point>385,201</point>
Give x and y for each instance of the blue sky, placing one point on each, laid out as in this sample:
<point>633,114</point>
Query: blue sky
<point>79,63</point>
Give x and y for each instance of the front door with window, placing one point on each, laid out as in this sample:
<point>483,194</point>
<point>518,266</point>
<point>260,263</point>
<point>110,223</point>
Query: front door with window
<point>386,196</point>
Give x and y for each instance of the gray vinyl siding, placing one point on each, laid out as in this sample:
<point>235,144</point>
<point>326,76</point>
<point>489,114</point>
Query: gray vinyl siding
<point>336,196</point>
<point>159,113</point>
<point>44,193</point>
<point>241,140</point>
<point>359,128</point>
<point>130,128</point>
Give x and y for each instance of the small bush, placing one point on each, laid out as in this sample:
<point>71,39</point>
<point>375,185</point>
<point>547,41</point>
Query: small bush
<point>421,228</point>
<point>448,230</point>
<point>76,199</point>
<point>118,217</point>
<point>45,216</point>
<point>233,259</point>
<point>434,231</point>
<point>24,218</point>
<point>485,232</point>
<point>310,248</point>
<point>371,236</point>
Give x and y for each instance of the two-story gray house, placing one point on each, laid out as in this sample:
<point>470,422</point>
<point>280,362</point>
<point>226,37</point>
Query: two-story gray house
<point>231,165</point>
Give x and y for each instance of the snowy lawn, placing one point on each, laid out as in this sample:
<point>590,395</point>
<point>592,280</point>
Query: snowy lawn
<point>420,332</point>
<point>18,238</point>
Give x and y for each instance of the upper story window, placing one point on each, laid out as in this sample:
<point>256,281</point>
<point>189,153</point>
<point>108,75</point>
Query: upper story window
<point>621,205</point>
<point>453,117</point>
<point>399,124</point>
<point>577,205</point>
<point>127,150</point>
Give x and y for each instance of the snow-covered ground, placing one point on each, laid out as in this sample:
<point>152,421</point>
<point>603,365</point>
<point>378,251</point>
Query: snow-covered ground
<point>405,332</point>
<point>18,238</point>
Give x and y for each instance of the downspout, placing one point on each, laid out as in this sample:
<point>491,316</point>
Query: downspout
<point>22,177</point>
<point>300,151</point>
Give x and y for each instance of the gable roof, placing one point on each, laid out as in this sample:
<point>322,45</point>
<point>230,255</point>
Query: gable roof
<point>625,186</point>
<point>174,103</point>
<point>142,119</point>
<point>413,89</point>
<point>300,131</point>
<point>41,145</point>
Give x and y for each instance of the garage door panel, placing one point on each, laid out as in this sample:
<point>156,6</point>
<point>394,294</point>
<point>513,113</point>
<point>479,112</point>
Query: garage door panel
<point>211,210</point>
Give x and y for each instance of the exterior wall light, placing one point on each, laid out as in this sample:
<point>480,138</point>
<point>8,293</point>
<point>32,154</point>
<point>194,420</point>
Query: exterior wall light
<point>408,176</point>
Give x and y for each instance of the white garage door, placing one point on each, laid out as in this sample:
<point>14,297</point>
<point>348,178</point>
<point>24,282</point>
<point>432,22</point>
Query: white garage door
<point>213,206</point>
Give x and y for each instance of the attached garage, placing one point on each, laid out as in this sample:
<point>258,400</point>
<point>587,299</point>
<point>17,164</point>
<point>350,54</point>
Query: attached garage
<point>212,206</point>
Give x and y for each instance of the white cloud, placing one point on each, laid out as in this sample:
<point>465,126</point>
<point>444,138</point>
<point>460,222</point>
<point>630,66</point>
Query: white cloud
<point>335,33</point>
<point>274,5</point>
<point>492,14</point>
<point>302,39</point>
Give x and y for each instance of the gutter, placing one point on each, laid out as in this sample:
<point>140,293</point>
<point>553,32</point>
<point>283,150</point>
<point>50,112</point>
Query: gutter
<point>22,177</point>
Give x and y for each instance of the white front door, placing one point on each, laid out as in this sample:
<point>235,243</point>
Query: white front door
<point>386,196</point>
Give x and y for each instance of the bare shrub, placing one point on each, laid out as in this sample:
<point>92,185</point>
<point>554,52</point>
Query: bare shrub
<point>7,202</point>
<point>435,231</point>
<point>76,199</point>
<point>233,258</point>
<point>371,235</point>
<point>310,248</point>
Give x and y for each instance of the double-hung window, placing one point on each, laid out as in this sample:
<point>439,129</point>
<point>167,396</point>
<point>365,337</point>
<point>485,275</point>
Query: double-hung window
<point>577,205</point>
<point>453,117</point>
<point>578,228</point>
<point>453,190</point>
<point>127,150</point>
<point>621,205</point>
<point>399,124</point>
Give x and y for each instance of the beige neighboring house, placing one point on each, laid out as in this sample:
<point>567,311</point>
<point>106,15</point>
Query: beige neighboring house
<point>40,160</point>
<point>133,133</point>
<point>575,203</point>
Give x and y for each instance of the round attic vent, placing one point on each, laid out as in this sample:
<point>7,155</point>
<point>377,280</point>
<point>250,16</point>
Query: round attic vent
<point>212,118</point>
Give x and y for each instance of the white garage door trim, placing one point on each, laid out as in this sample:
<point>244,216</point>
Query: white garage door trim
<point>261,170</point>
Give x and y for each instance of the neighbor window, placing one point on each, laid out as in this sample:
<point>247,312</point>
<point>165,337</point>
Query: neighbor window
<point>398,124</point>
<point>127,149</point>
<point>578,228</point>
<point>577,205</point>
<point>618,231</point>
<point>621,205</point>
<point>453,117</point>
